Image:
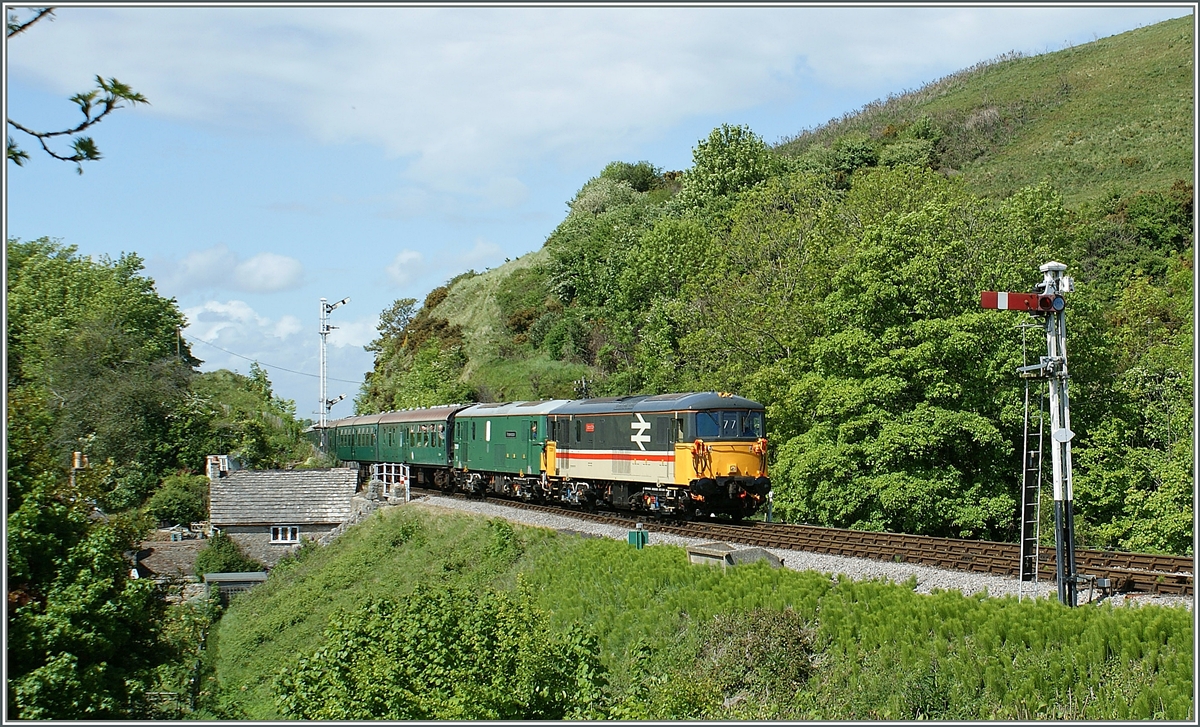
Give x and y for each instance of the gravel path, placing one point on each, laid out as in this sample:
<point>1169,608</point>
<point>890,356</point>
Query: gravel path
<point>928,577</point>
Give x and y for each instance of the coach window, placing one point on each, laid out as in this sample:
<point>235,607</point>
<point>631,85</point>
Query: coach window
<point>578,430</point>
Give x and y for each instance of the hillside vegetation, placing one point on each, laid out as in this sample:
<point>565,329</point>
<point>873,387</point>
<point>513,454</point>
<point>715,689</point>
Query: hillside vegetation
<point>836,279</point>
<point>1109,117</point>
<point>422,614</point>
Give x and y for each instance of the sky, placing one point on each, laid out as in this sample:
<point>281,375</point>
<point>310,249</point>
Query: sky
<point>289,154</point>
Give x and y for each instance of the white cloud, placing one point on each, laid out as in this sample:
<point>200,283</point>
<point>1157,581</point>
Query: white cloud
<point>357,333</point>
<point>218,267</point>
<point>286,326</point>
<point>214,319</point>
<point>267,273</point>
<point>467,96</point>
<point>483,253</point>
<point>406,266</point>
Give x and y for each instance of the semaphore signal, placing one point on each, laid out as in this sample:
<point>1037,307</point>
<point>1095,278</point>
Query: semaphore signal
<point>1047,302</point>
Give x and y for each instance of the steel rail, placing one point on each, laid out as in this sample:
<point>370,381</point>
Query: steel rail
<point>1127,572</point>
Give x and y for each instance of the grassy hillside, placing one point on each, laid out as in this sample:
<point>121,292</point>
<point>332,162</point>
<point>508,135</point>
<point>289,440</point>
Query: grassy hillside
<point>1096,121</point>
<point>1114,115</point>
<point>667,639</point>
<point>491,365</point>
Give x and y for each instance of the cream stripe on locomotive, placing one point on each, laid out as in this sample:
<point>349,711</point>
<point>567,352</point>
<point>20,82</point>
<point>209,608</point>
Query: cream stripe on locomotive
<point>617,464</point>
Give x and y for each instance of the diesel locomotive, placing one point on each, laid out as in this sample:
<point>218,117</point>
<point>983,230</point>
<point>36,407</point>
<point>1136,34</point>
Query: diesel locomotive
<point>683,455</point>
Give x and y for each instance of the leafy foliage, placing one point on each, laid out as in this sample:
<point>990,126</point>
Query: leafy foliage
<point>730,160</point>
<point>180,499</point>
<point>442,654</point>
<point>95,365</point>
<point>83,638</point>
<point>223,555</point>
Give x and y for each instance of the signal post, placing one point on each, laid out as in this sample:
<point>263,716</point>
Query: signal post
<point>1048,303</point>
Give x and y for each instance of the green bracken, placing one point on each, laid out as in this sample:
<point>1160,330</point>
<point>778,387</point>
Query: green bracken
<point>651,636</point>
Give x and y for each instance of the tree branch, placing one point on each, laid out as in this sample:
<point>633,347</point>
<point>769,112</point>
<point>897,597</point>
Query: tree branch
<point>85,149</point>
<point>15,27</point>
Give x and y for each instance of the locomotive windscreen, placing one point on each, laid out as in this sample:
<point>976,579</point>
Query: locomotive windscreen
<point>729,424</point>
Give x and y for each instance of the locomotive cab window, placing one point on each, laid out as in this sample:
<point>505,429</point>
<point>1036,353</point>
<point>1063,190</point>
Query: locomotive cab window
<point>729,424</point>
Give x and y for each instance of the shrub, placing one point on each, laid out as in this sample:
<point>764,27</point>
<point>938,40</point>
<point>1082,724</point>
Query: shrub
<point>181,499</point>
<point>222,555</point>
<point>731,159</point>
<point>914,152</point>
<point>642,176</point>
<point>444,653</point>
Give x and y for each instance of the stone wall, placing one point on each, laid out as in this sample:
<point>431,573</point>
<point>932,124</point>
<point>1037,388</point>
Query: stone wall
<point>255,540</point>
<point>360,507</point>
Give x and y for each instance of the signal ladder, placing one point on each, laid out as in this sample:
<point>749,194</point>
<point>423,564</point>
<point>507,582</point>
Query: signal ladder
<point>1031,480</point>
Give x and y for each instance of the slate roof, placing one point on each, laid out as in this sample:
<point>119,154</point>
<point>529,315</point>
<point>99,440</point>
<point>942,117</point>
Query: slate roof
<point>282,497</point>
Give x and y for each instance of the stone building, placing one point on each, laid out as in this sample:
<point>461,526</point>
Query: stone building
<point>269,512</point>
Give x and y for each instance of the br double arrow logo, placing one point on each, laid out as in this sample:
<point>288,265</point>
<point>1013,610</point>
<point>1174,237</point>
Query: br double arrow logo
<point>641,438</point>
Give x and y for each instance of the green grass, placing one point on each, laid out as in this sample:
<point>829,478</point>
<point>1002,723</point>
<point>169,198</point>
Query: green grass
<point>472,305</point>
<point>678,639</point>
<point>1114,115</point>
<point>501,370</point>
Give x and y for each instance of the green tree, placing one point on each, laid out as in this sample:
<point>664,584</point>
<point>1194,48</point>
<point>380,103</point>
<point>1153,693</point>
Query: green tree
<point>731,159</point>
<point>181,499</point>
<point>83,639</point>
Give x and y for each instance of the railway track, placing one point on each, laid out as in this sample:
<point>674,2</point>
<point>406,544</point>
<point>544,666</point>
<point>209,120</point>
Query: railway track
<point>1127,572</point>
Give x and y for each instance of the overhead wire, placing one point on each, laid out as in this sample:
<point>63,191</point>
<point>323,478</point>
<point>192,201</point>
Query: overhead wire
<point>270,366</point>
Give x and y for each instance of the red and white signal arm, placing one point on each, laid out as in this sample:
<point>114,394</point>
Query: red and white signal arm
<point>1031,302</point>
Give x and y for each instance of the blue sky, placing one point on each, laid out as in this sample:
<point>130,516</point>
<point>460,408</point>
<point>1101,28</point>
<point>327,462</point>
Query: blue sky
<point>291,153</point>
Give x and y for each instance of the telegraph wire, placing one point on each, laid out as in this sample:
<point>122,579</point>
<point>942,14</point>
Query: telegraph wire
<point>270,366</point>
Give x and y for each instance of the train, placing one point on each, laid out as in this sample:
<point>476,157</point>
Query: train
<point>685,455</point>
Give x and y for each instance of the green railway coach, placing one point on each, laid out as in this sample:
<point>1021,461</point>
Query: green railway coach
<point>356,439</point>
<point>418,437</point>
<point>504,438</point>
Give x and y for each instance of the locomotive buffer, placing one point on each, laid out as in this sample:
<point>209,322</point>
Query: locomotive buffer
<point>1047,302</point>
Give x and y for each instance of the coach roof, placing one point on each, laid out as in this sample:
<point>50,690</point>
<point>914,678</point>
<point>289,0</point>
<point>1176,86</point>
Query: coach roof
<point>518,408</point>
<point>698,401</point>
